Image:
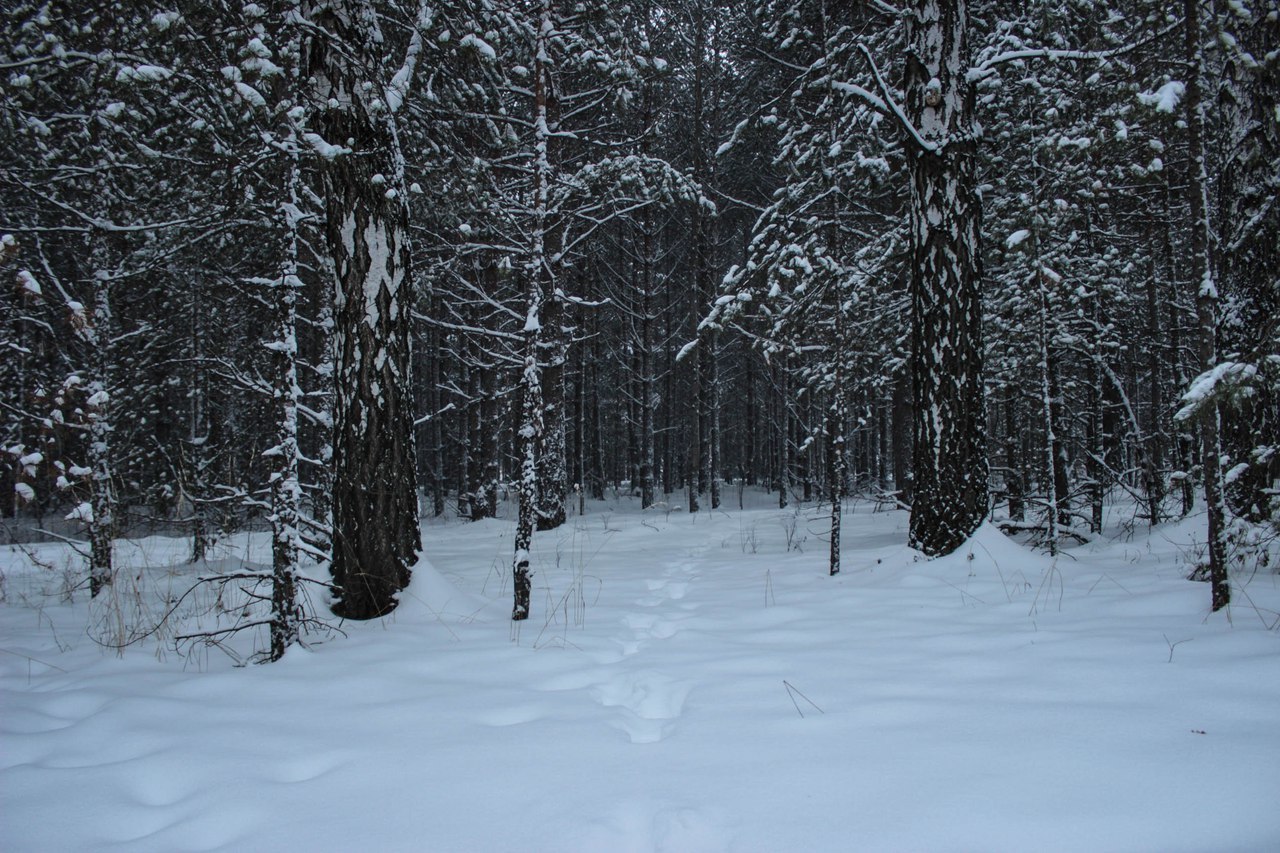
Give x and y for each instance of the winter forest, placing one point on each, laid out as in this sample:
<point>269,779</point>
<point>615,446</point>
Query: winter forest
<point>465,317</point>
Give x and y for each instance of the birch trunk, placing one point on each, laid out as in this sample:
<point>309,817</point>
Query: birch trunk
<point>1206,303</point>
<point>375,506</point>
<point>950,470</point>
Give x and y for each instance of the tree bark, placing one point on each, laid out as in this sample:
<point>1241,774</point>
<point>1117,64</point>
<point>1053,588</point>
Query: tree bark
<point>1153,454</point>
<point>375,506</point>
<point>1206,304</point>
<point>99,408</point>
<point>950,476</point>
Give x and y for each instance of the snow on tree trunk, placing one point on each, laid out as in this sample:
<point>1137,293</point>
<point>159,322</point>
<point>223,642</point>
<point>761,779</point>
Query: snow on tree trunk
<point>648,390</point>
<point>903,419</point>
<point>286,489</point>
<point>375,508</point>
<point>836,470</point>
<point>1054,493</point>
<point>553,477</point>
<point>1153,453</point>
<point>950,471</point>
<point>1013,479</point>
<point>705,441</point>
<point>196,486</point>
<point>527,488</point>
<point>490,440</point>
<point>98,406</point>
<point>1206,302</point>
<point>782,427</point>
<point>538,273</point>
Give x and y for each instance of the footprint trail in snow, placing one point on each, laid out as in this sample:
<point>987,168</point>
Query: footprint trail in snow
<point>648,700</point>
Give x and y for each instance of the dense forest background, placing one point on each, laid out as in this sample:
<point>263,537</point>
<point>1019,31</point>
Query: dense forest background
<point>286,262</point>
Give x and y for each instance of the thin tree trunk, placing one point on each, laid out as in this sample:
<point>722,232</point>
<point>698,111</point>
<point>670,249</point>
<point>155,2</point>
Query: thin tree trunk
<point>903,418</point>
<point>1012,457</point>
<point>286,490</point>
<point>782,429</point>
<point>552,464</point>
<point>647,385</point>
<point>1206,303</point>
<point>1152,469</point>
<point>100,407</point>
<point>836,462</point>
<point>751,465</point>
<point>539,285</point>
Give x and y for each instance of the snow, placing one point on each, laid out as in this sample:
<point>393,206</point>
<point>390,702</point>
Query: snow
<point>1223,377</point>
<point>142,73</point>
<point>686,683</point>
<point>323,148</point>
<point>1166,98</point>
<point>251,95</point>
<point>381,247</point>
<point>28,282</point>
<point>29,462</point>
<point>1016,238</point>
<point>482,47</point>
<point>163,20</point>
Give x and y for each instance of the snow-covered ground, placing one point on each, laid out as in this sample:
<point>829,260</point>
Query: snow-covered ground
<point>687,683</point>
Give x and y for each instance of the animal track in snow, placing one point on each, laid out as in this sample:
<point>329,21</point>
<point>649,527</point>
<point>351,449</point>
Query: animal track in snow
<point>650,703</point>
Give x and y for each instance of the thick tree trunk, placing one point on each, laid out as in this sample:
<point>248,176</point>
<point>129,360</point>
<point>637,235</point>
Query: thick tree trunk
<point>375,506</point>
<point>950,476</point>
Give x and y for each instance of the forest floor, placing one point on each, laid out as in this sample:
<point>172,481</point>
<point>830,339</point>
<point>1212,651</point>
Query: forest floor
<point>686,683</point>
